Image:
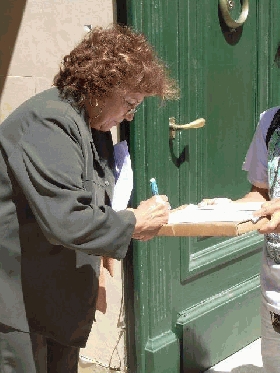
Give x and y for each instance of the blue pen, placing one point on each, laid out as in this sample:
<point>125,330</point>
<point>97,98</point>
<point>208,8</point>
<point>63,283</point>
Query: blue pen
<point>154,186</point>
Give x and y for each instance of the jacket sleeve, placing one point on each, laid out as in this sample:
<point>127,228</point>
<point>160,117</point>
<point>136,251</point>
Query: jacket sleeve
<point>48,165</point>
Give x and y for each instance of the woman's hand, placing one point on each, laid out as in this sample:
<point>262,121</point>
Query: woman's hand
<point>213,201</point>
<point>270,209</point>
<point>150,215</point>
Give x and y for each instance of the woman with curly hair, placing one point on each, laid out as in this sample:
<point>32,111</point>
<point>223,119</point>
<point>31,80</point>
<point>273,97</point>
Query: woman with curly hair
<point>56,189</point>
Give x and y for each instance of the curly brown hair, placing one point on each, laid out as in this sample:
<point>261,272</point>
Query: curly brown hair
<point>113,59</point>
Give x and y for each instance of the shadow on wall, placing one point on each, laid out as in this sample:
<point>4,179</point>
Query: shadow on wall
<point>11,12</point>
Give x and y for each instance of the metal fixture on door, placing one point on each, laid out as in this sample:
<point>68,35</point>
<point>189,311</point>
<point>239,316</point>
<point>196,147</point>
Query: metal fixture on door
<point>226,6</point>
<point>173,127</point>
<point>231,4</point>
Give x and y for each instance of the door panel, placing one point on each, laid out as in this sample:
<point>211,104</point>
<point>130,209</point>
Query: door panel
<point>196,300</point>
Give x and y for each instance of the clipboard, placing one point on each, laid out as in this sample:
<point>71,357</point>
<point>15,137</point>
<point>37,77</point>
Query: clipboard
<point>230,219</point>
<point>227,229</point>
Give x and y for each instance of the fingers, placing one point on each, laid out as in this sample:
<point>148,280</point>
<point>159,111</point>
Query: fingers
<point>150,216</point>
<point>160,198</point>
<point>146,236</point>
<point>270,209</point>
<point>179,208</point>
<point>155,203</point>
<point>157,215</point>
<point>213,201</point>
<point>273,226</point>
<point>206,201</point>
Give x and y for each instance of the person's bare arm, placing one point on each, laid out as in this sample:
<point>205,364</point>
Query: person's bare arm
<point>255,195</point>
<point>270,208</point>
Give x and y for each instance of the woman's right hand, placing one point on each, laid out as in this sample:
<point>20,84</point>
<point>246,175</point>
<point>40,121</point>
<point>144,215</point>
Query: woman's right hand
<point>150,216</point>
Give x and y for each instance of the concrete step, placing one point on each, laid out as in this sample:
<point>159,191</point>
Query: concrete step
<point>247,360</point>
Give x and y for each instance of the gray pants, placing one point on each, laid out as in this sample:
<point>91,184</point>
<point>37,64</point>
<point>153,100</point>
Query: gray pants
<point>33,353</point>
<point>270,342</point>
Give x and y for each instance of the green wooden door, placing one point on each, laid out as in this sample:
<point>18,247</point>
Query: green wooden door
<point>194,301</point>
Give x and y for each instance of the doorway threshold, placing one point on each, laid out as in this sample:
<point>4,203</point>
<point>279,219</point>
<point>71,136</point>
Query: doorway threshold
<point>246,360</point>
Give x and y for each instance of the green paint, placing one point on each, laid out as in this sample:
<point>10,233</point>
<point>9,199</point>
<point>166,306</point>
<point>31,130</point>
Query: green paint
<point>196,300</point>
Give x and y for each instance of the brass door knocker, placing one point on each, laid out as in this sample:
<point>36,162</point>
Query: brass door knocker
<point>226,6</point>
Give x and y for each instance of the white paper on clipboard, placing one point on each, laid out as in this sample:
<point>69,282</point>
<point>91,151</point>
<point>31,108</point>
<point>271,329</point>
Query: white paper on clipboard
<point>229,212</point>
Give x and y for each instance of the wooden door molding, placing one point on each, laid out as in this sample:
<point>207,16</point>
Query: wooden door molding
<point>195,262</point>
<point>198,288</point>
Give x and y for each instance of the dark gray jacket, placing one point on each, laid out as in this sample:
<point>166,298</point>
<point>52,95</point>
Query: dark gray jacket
<point>56,183</point>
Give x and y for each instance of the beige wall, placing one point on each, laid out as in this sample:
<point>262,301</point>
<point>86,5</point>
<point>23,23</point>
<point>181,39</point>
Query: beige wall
<point>34,36</point>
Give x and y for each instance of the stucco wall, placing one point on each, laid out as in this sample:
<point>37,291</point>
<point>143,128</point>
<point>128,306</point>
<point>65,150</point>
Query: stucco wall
<point>34,36</point>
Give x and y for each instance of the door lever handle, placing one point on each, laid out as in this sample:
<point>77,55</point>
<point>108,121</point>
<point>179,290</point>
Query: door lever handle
<point>173,127</point>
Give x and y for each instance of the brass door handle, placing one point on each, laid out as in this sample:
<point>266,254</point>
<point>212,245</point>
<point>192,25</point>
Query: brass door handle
<point>173,127</point>
<point>226,5</point>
